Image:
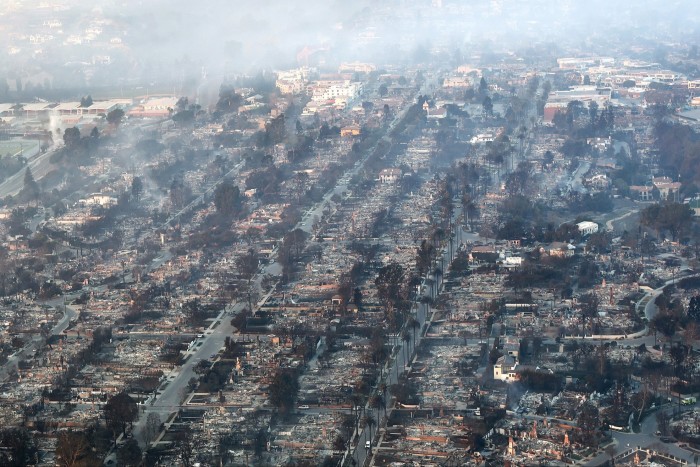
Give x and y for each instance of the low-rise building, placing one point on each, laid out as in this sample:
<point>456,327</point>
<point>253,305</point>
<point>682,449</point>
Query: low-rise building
<point>587,227</point>
<point>504,369</point>
<point>390,175</point>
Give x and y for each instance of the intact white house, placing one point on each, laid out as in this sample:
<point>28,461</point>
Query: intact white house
<point>504,369</point>
<point>587,227</point>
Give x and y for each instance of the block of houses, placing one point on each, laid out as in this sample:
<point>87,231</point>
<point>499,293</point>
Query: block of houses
<point>390,175</point>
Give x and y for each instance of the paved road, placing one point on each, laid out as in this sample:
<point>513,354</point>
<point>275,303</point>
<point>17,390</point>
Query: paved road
<point>609,224</point>
<point>173,393</point>
<point>37,341</point>
<point>646,438</point>
<point>650,309</point>
<point>399,364</point>
<point>396,368</point>
<point>40,166</point>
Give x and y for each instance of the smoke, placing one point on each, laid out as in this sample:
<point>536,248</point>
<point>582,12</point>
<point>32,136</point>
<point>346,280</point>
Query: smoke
<point>179,42</point>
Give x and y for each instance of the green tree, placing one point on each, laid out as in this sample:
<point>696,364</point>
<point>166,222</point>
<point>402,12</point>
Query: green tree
<point>187,447</point>
<point>114,117</point>
<point>229,100</point>
<point>86,101</point>
<point>178,194</point>
<point>120,410</point>
<point>17,448</point>
<point>71,137</point>
<point>391,289</point>
<point>185,117</point>
<point>357,297</point>
<point>152,427</point>
<point>129,454</point>
<point>589,422</point>
<point>593,112</point>
<point>260,443</point>
<point>589,306</point>
<point>276,129</point>
<point>678,355</point>
<point>31,187</point>
<point>424,257</point>
<point>487,106</point>
<point>182,103</point>
<point>694,308</point>
<point>665,323</point>
<point>483,87</point>
<point>227,198</point>
<point>73,449</point>
<point>675,218</point>
<point>339,443</point>
<point>247,266</point>
<point>283,390</point>
<point>136,187</point>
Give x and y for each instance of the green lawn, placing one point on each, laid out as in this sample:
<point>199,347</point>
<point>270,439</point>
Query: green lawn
<point>14,147</point>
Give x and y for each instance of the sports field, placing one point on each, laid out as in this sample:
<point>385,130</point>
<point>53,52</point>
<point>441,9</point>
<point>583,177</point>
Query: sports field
<point>15,147</point>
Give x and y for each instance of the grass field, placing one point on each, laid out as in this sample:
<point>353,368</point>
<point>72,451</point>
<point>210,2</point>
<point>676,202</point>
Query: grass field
<point>14,147</point>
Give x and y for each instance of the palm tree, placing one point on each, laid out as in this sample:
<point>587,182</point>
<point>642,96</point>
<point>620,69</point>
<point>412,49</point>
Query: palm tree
<point>376,403</point>
<point>413,324</point>
<point>355,400</point>
<point>438,235</point>
<point>468,206</point>
<point>381,403</point>
<point>383,387</point>
<point>407,340</point>
<point>437,276</point>
<point>427,301</point>
<point>522,134</point>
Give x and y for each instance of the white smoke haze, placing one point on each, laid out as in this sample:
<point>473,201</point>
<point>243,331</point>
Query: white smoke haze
<point>175,45</point>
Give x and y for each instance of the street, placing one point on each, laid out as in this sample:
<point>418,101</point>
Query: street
<point>646,438</point>
<point>399,365</point>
